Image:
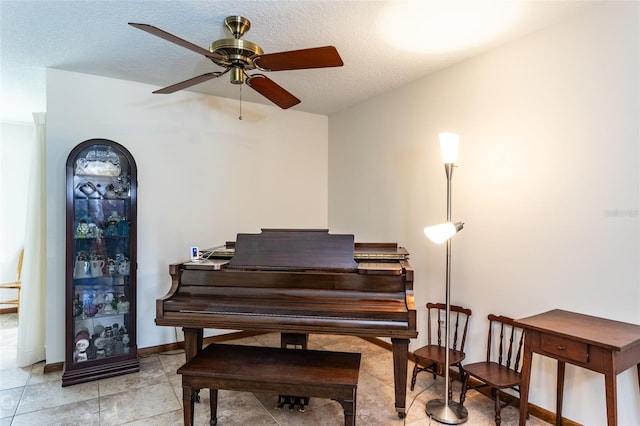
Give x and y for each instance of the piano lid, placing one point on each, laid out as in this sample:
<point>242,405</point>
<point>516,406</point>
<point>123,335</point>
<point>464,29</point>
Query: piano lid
<point>294,249</point>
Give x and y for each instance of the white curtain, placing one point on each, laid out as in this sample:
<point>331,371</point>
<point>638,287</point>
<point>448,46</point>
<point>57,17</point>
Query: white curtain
<point>31,319</point>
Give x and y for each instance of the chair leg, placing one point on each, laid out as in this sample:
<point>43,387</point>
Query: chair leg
<point>463,391</point>
<point>461,374</point>
<point>496,397</point>
<point>450,396</point>
<point>415,373</point>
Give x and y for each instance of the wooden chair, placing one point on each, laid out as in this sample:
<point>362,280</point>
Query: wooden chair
<point>501,368</point>
<point>433,354</point>
<point>14,285</point>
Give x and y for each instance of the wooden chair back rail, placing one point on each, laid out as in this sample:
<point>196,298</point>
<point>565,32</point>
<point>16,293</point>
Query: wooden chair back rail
<point>500,370</point>
<point>14,285</point>
<point>515,334</point>
<point>460,314</point>
<point>431,358</point>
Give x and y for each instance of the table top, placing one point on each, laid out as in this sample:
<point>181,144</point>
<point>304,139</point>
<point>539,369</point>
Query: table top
<point>602,332</point>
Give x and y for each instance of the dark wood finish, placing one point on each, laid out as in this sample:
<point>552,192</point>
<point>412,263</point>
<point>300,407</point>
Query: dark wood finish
<point>331,300</point>
<point>500,370</point>
<point>96,207</point>
<point>321,374</point>
<point>433,354</point>
<point>601,345</point>
<point>177,40</point>
<point>272,91</point>
<point>281,249</point>
<point>315,57</point>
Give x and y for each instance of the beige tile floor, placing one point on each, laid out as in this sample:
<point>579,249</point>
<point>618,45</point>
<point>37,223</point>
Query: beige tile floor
<point>153,396</point>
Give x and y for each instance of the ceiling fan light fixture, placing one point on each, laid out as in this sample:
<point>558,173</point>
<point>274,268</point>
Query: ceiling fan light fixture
<point>236,75</point>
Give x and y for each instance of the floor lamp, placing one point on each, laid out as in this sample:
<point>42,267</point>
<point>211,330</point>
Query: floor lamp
<point>443,410</point>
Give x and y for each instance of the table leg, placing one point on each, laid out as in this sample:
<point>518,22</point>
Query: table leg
<point>611,392</point>
<point>559,392</point>
<point>525,374</point>
<point>400,363</point>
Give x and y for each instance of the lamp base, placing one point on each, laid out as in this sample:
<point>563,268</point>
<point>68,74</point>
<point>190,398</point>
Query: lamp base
<point>451,414</point>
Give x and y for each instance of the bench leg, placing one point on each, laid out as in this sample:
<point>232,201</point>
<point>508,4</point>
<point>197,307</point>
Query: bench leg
<point>187,400</point>
<point>349,407</point>
<point>213,405</point>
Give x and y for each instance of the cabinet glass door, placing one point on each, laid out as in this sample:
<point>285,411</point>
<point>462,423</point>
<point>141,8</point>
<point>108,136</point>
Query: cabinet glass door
<point>101,262</point>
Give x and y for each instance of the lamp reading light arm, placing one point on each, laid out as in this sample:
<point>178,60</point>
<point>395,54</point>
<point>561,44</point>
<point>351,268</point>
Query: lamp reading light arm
<point>442,232</point>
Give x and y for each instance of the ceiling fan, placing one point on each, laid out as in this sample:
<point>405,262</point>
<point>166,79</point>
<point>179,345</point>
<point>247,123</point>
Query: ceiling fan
<point>238,56</point>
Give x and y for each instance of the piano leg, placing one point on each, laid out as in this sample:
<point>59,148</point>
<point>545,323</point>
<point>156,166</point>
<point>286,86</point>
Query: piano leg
<point>192,345</point>
<point>400,364</point>
<point>192,342</point>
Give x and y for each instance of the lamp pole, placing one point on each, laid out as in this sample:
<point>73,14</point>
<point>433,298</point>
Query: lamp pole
<point>445,411</point>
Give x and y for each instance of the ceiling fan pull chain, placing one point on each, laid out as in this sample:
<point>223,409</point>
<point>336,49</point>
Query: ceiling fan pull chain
<point>240,117</point>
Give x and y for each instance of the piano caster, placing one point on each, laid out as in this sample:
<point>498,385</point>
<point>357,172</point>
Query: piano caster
<point>402,415</point>
<point>213,422</point>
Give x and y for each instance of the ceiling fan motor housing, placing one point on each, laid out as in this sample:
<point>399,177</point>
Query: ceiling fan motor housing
<point>237,54</point>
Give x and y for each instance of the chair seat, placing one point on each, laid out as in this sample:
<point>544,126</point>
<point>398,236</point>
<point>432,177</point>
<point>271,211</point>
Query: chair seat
<point>493,373</point>
<point>435,352</point>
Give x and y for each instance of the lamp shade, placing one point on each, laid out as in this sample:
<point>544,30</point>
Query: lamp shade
<point>449,147</point>
<point>442,232</point>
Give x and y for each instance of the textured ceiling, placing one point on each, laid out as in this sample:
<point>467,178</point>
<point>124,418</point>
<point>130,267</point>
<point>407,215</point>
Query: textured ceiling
<point>93,37</point>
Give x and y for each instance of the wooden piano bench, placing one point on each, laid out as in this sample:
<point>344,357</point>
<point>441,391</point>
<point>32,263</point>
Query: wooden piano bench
<point>320,374</point>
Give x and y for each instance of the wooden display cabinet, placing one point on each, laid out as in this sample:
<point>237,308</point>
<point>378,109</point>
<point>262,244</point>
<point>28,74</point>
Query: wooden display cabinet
<point>100,308</point>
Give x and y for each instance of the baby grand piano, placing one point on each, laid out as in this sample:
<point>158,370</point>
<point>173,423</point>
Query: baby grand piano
<point>297,281</point>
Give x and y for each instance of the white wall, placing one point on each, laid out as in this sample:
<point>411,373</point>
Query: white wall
<point>203,177</point>
<point>547,185</point>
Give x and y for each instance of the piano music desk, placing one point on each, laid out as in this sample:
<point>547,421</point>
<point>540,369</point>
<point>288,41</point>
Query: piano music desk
<point>320,374</point>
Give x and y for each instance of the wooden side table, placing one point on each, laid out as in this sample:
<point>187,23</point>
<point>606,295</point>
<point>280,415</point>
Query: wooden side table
<point>605,346</point>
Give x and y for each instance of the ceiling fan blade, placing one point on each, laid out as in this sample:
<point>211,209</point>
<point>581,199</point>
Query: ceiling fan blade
<point>272,91</point>
<point>190,82</point>
<point>177,40</point>
<point>316,57</point>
